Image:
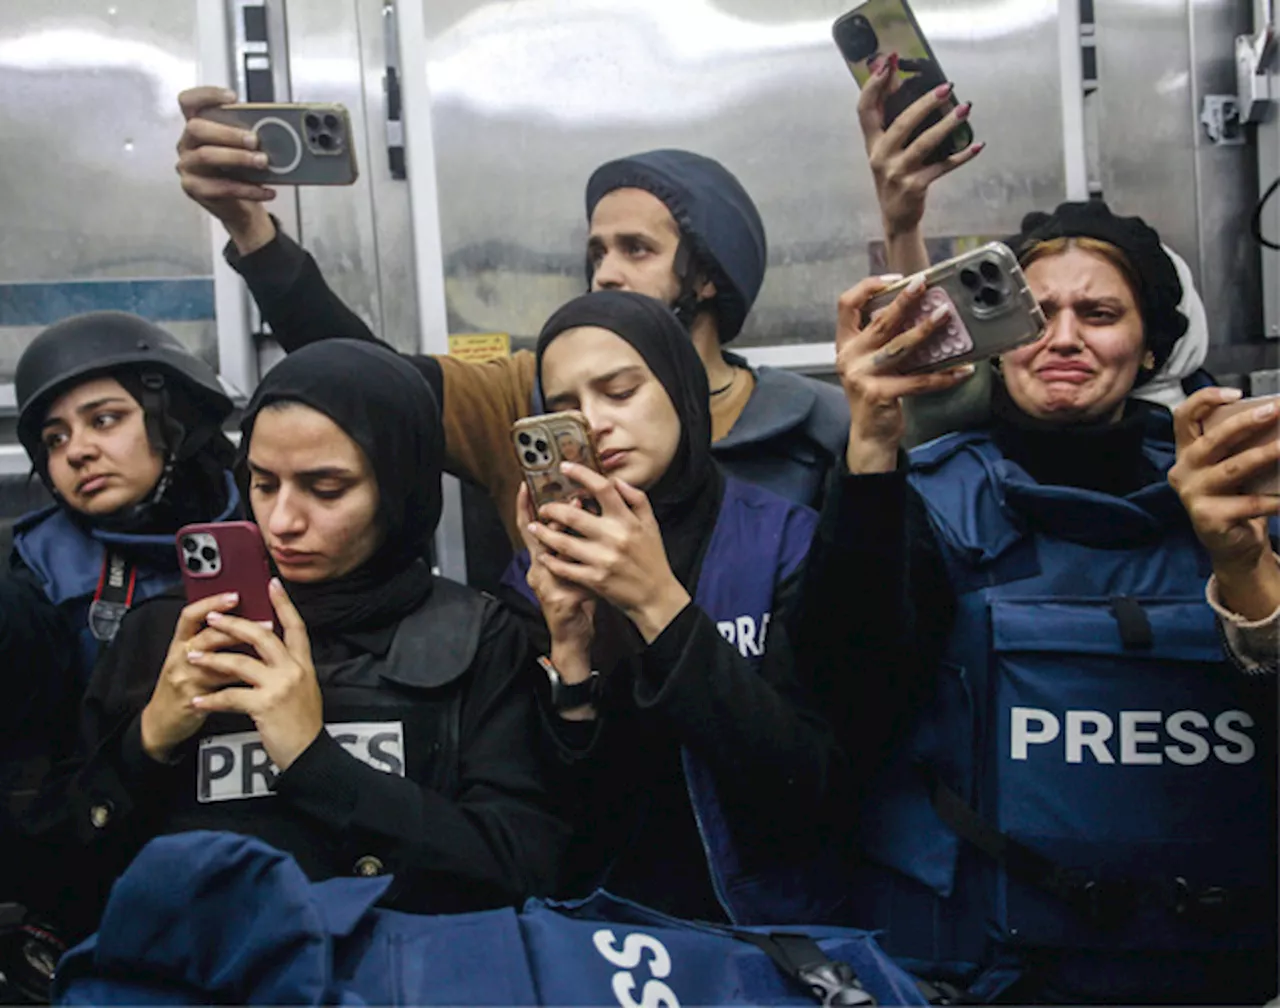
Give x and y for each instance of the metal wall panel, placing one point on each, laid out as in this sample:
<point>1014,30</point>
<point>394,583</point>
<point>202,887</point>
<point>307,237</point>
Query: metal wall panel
<point>336,54</point>
<point>529,97</point>
<point>90,121</point>
<point>1156,59</point>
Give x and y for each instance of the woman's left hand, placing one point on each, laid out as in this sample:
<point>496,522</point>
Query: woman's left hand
<point>617,554</point>
<point>1231,524</point>
<point>280,691</point>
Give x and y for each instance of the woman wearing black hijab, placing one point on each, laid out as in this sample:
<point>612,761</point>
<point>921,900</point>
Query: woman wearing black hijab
<point>385,732</point>
<point>673,700</point>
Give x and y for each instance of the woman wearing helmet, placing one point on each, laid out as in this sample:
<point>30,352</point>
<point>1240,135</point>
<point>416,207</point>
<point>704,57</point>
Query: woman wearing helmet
<point>123,426</point>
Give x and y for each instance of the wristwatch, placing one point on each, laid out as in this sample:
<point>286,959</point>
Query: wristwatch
<point>567,696</point>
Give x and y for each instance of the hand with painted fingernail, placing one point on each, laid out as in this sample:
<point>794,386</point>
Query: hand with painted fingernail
<point>279,689</point>
<point>168,720</point>
<point>868,355</point>
<point>903,168</point>
<point>1208,474</point>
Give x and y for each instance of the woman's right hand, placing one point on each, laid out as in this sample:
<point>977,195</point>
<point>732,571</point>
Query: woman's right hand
<point>901,171</point>
<point>568,609</point>
<point>866,356</point>
<point>169,719</point>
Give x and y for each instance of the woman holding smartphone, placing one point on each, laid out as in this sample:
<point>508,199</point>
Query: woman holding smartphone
<point>1067,791</point>
<point>386,730</point>
<point>674,705</point>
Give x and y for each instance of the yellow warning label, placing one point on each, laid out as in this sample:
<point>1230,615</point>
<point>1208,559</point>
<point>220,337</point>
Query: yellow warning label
<point>477,348</point>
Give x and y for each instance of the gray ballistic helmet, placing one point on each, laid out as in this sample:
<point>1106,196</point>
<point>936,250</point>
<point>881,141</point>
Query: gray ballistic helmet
<point>100,343</point>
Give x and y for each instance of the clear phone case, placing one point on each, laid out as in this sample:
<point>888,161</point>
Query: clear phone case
<point>992,310</point>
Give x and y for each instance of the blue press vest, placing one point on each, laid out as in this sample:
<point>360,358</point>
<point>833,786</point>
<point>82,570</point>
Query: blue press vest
<point>68,560</point>
<point>759,540</point>
<point>1149,762</point>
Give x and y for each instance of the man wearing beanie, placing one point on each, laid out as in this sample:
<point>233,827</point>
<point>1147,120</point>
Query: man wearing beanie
<point>669,224</point>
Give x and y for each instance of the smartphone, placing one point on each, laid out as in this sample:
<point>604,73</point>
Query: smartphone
<point>1262,483</point>
<point>305,144</point>
<point>991,310</point>
<point>542,443</point>
<point>870,34</point>
<point>218,557</point>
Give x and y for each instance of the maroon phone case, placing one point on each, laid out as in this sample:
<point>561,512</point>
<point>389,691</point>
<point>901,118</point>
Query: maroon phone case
<point>242,568</point>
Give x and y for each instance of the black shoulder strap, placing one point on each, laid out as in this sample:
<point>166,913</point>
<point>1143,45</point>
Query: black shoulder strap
<point>799,957</point>
<point>113,597</point>
<point>1104,902</point>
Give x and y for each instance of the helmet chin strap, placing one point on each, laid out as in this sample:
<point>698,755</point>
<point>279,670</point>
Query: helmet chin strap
<point>165,435</point>
<point>687,305</point>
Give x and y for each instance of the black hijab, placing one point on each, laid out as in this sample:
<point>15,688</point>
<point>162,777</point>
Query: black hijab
<point>386,407</point>
<point>686,499</point>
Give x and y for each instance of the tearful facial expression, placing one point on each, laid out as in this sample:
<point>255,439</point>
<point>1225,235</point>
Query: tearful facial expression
<point>1088,359</point>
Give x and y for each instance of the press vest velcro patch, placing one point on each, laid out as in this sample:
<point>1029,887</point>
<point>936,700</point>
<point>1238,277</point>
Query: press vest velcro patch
<point>236,765</point>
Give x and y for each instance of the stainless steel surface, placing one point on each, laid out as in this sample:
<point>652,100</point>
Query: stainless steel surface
<point>336,54</point>
<point>91,119</point>
<point>1156,59</point>
<point>529,97</point>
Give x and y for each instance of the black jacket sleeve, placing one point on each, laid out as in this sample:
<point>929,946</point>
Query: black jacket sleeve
<point>495,833</point>
<point>875,613</point>
<point>299,305</point>
<point>755,726</point>
<point>38,656</point>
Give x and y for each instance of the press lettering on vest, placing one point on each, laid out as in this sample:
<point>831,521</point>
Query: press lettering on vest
<point>236,765</point>
<point>655,993</point>
<point>1140,742</point>
<point>744,634</point>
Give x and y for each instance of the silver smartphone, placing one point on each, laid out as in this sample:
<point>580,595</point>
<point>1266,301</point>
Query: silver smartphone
<point>991,310</point>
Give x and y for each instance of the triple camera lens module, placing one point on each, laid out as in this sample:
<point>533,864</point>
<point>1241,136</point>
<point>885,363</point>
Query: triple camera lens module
<point>324,132</point>
<point>200,554</point>
<point>534,448</point>
<point>987,283</point>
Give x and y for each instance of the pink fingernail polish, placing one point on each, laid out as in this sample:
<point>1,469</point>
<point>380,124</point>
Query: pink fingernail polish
<point>962,111</point>
<point>942,90</point>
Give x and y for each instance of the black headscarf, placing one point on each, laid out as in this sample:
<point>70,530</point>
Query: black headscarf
<point>1159,289</point>
<point>386,407</point>
<point>686,499</point>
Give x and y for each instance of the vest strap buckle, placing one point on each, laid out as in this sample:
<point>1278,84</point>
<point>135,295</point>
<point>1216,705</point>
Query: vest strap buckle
<point>833,983</point>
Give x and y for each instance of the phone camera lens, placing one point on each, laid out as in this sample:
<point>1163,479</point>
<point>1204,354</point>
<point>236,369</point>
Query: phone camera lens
<point>541,446</point>
<point>325,141</point>
<point>331,122</point>
<point>524,439</point>
<point>209,553</point>
<point>189,545</point>
<point>531,458</point>
<point>990,271</point>
<point>312,120</point>
<point>989,296</point>
<point>194,565</point>
<point>970,279</point>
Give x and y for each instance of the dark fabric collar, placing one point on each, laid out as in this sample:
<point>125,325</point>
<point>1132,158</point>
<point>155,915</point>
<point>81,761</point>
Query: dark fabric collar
<point>1104,457</point>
